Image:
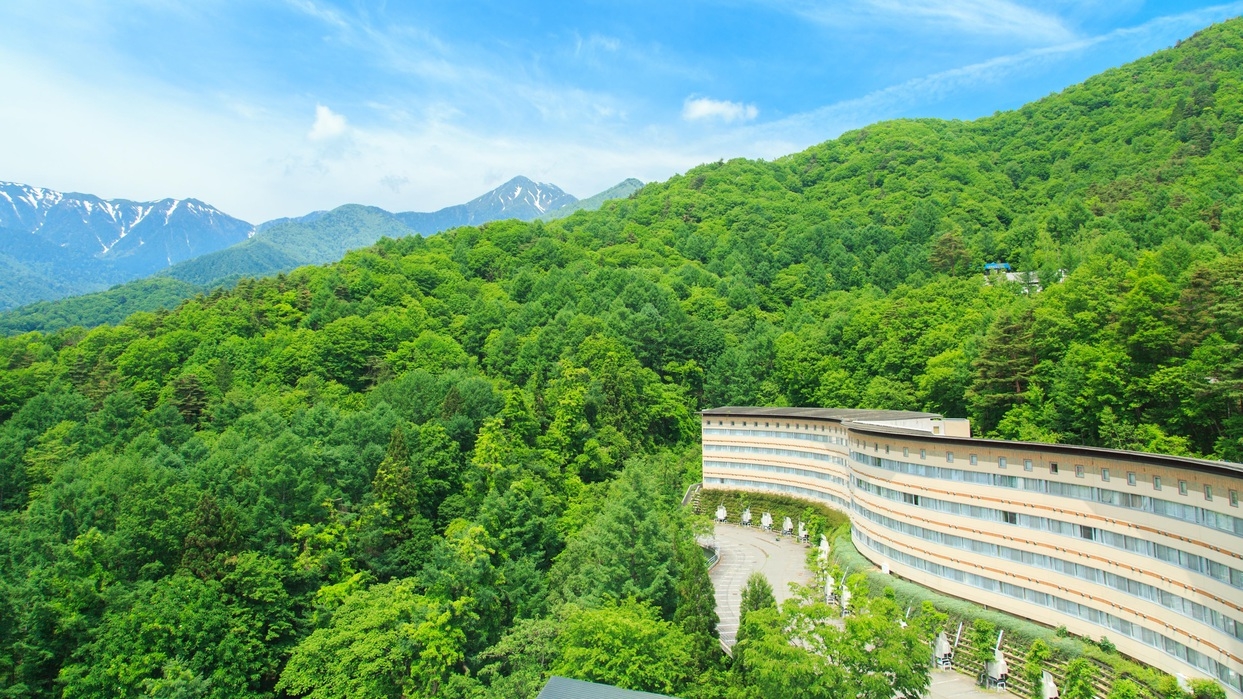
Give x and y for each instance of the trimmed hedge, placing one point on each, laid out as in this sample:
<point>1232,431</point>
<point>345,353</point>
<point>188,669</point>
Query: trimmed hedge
<point>780,506</point>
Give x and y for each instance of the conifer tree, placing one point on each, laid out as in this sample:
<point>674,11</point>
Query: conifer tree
<point>696,611</point>
<point>1004,368</point>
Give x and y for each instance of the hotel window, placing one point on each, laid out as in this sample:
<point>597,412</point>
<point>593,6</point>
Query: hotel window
<point>1104,474</point>
<point>1010,517</point>
<point>923,453</point>
<point>1156,482</point>
<point>875,446</point>
<point>975,460</point>
<point>910,498</point>
<point>949,457</point>
<point>1027,464</point>
<point>1078,470</point>
<point>906,452</point>
<point>886,448</point>
<point>1001,462</point>
<point>1208,492</point>
<point>731,423</point>
<point>1130,478</point>
<point>1053,467</point>
<point>1234,498</point>
<point>1182,487</point>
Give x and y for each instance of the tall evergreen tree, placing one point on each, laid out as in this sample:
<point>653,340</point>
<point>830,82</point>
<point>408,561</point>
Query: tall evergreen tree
<point>696,611</point>
<point>1004,368</point>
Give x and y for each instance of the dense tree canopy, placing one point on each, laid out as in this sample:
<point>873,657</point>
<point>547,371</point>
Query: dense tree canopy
<point>441,466</point>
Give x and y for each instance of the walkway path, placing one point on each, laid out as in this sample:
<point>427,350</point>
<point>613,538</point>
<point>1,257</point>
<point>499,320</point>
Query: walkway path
<point>745,550</point>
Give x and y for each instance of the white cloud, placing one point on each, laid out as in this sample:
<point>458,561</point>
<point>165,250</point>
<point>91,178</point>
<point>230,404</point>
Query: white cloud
<point>698,108</point>
<point>328,124</point>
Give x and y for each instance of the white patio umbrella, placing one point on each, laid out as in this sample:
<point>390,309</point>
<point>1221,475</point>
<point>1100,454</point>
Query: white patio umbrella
<point>1047,685</point>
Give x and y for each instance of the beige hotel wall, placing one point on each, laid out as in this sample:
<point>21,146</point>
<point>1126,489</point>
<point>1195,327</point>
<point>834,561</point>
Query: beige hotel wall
<point>1075,466</point>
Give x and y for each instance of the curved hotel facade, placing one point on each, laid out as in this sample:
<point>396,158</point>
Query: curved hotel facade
<point>1142,548</point>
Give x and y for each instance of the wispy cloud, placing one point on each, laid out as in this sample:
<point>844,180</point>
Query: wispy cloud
<point>596,42</point>
<point>991,18</point>
<point>981,17</point>
<point>394,183</point>
<point>705,108</point>
<point>800,130</point>
<point>400,47</point>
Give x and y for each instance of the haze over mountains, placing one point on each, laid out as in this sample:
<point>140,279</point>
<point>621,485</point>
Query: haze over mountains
<point>55,245</point>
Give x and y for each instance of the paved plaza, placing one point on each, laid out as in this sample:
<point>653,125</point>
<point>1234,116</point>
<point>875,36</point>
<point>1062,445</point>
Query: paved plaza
<point>782,560</point>
<point>745,550</point>
<point>947,684</point>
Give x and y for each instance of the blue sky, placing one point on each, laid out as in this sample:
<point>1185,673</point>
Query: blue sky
<point>276,108</point>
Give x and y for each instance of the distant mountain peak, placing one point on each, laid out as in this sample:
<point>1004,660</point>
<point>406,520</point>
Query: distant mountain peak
<point>520,191</point>
<point>520,197</point>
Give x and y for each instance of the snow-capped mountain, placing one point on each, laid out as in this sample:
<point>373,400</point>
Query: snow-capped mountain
<point>519,198</point>
<point>80,242</point>
<point>141,237</point>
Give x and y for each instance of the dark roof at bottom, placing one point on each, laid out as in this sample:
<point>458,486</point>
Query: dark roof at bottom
<point>563,688</point>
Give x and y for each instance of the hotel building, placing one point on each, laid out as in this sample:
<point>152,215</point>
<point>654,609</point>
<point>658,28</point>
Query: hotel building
<point>1143,548</point>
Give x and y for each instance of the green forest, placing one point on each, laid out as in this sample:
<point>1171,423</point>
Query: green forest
<point>452,466</point>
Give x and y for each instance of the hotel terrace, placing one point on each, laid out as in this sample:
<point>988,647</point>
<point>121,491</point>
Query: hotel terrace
<point>1143,548</point>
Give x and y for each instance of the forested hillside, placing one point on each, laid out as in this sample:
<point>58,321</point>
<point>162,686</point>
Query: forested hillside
<point>449,466</point>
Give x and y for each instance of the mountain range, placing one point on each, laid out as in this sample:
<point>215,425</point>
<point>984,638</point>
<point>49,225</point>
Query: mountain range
<point>55,244</point>
<point>58,245</point>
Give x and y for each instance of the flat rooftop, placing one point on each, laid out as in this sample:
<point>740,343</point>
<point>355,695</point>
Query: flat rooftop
<point>872,422</point>
<point>837,414</point>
